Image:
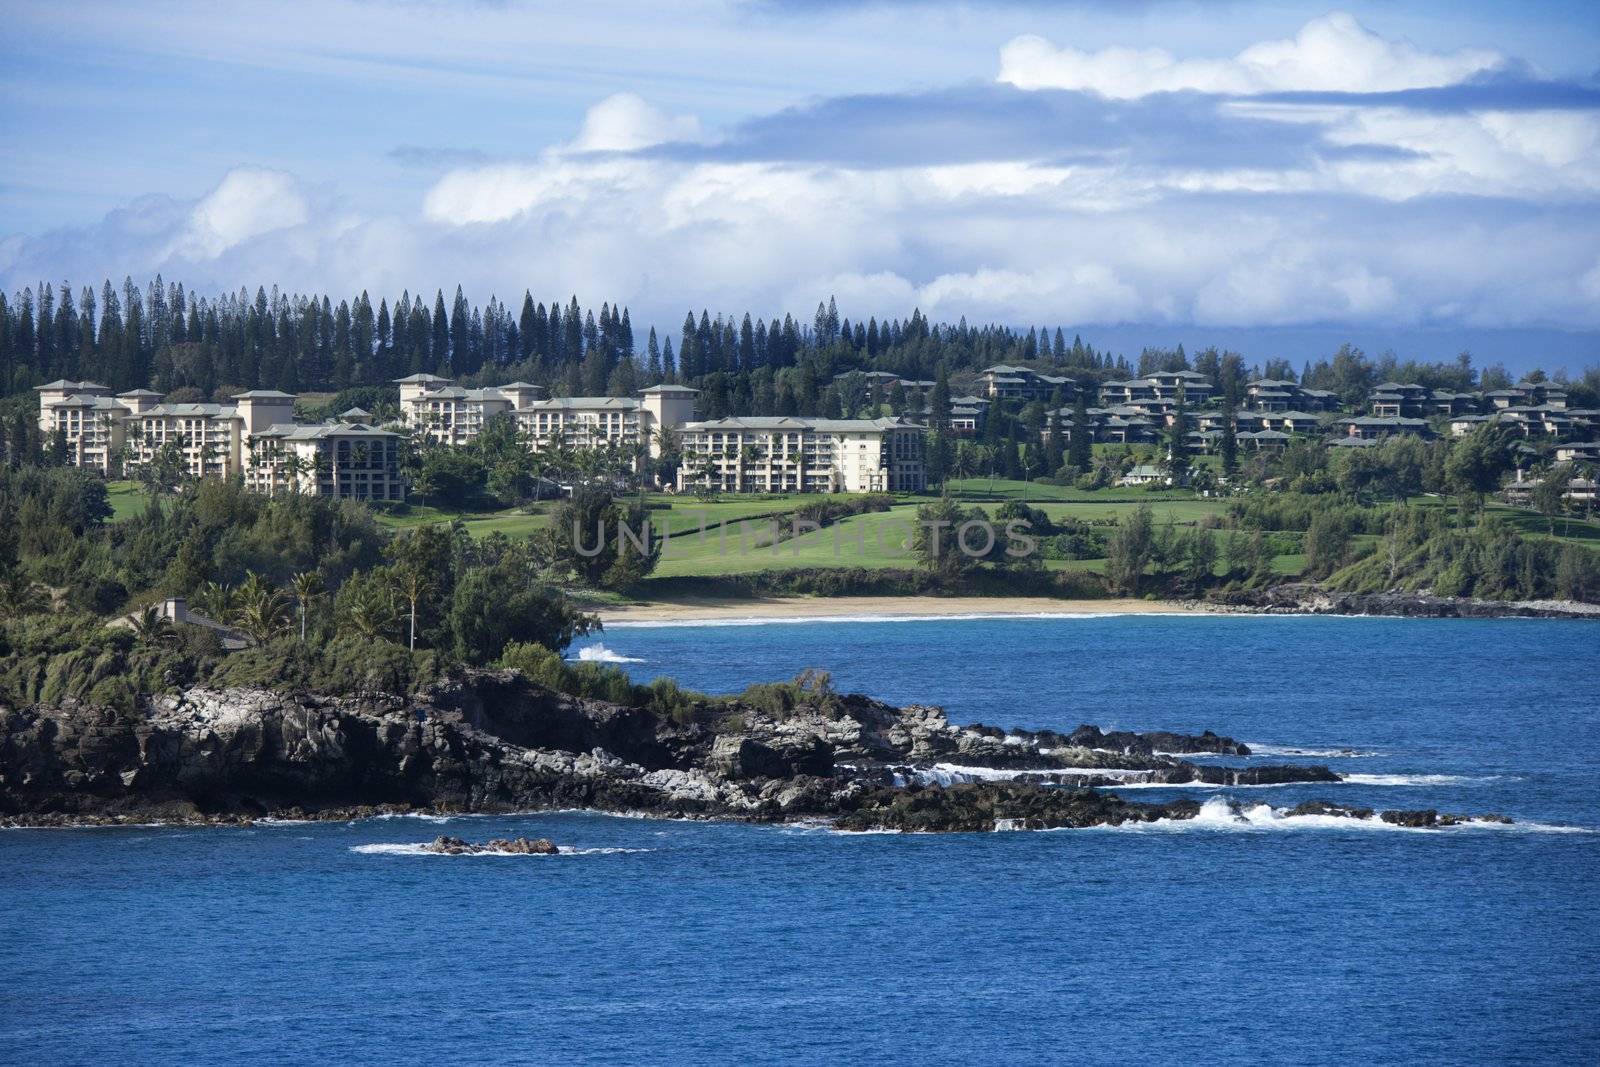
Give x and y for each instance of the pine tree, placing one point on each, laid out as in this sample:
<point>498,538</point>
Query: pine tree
<point>652,367</point>
<point>1080,445</point>
<point>939,400</point>
<point>439,348</point>
<point>1177,444</point>
<point>1229,444</point>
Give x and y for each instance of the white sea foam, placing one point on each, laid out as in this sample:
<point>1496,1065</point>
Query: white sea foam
<point>946,774</point>
<point>418,849</point>
<point>1425,779</point>
<point>601,654</point>
<point>1219,814</point>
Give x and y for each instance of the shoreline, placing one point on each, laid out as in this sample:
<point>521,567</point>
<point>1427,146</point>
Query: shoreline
<point>886,608</point>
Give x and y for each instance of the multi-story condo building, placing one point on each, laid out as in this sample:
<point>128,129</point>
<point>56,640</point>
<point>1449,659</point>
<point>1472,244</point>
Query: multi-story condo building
<point>89,419</point>
<point>1001,382</point>
<point>455,416</point>
<point>1528,394</point>
<point>1157,394</point>
<point>255,437</point>
<point>1374,427</point>
<point>1270,394</point>
<point>452,415</point>
<point>582,422</point>
<point>967,414</point>
<point>342,459</point>
<point>1120,425</point>
<point>783,454</point>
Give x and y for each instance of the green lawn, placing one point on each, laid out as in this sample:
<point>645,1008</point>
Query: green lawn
<point>1163,510</point>
<point>511,521</point>
<point>678,516</point>
<point>128,499</point>
<point>1000,489</point>
<point>876,539</point>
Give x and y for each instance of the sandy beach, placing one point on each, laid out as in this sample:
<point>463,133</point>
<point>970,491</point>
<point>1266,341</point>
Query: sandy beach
<point>887,607</point>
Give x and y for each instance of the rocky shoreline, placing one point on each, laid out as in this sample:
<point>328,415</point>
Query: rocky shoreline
<point>1308,598</point>
<point>493,742</point>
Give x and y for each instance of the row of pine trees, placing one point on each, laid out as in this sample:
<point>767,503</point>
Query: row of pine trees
<point>165,337</point>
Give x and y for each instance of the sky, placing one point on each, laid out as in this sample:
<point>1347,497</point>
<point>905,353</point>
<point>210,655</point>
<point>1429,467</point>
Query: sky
<point>1274,176</point>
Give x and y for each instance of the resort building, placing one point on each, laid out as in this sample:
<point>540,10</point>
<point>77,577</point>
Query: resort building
<point>1271,394</point>
<point>90,421</point>
<point>1119,425</point>
<point>583,422</point>
<point>1002,382</point>
<point>1158,394</point>
<point>255,437</point>
<point>1579,452</point>
<point>1528,394</point>
<point>1373,427</point>
<point>782,454</point>
<point>455,416</point>
<point>340,459</point>
<point>452,415</point>
<point>967,414</point>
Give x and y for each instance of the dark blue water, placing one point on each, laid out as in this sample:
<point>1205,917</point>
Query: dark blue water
<point>1276,940</point>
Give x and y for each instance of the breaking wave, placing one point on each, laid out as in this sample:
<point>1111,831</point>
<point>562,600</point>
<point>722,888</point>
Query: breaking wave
<point>418,849</point>
<point>1424,779</point>
<point>1221,814</point>
<point>602,654</point>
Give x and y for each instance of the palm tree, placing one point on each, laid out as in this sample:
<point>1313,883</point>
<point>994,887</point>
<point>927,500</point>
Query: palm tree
<point>748,456</point>
<point>292,467</point>
<point>152,627</point>
<point>414,585</point>
<point>307,586</point>
<point>370,611</point>
<point>217,599</point>
<point>320,465</point>
<point>263,611</point>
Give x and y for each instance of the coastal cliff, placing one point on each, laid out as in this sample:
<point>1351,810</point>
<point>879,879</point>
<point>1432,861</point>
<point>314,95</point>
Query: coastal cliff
<point>495,742</point>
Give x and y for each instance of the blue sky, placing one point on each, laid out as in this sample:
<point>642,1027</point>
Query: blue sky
<point>1422,175</point>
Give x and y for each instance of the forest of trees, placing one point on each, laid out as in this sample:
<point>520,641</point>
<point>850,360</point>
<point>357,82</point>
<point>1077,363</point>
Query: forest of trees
<point>165,337</point>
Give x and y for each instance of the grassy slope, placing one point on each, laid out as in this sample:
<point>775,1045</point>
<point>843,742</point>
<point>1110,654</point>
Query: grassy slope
<point>875,540</point>
<point>127,500</point>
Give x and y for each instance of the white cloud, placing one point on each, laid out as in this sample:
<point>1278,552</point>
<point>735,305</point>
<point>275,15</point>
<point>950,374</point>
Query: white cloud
<point>1334,52</point>
<point>247,203</point>
<point>625,122</point>
<point>1136,234</point>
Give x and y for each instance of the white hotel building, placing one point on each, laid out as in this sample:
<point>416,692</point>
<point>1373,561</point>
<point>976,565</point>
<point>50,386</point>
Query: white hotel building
<point>255,437</point>
<point>455,416</point>
<point>782,454</point>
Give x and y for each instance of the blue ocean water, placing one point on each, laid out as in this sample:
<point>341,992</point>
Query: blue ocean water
<point>1270,940</point>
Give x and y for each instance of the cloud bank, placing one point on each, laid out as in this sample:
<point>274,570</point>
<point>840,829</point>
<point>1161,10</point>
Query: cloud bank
<point>1332,177</point>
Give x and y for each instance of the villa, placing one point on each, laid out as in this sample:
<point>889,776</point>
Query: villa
<point>1002,382</point>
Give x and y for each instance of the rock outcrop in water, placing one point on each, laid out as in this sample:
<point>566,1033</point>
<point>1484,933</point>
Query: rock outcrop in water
<point>1309,598</point>
<point>517,846</point>
<point>494,742</point>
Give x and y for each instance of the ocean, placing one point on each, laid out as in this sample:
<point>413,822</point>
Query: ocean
<point>1243,936</point>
